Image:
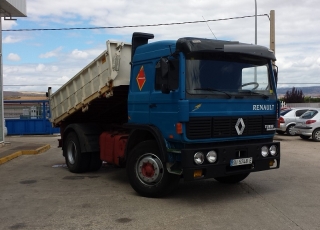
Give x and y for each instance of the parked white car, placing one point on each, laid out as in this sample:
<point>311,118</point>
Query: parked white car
<point>308,125</point>
<point>287,120</point>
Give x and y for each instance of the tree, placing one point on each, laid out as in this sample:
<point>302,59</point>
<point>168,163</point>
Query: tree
<point>294,96</point>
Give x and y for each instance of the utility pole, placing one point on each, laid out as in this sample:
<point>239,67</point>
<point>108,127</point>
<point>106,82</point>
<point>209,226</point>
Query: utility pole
<point>272,31</point>
<point>8,9</point>
<point>255,36</point>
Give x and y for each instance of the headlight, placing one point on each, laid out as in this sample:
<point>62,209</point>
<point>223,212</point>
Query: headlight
<point>264,151</point>
<point>212,156</point>
<point>198,158</point>
<point>273,150</point>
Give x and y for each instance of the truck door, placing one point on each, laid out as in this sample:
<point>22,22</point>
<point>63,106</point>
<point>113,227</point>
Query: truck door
<point>138,99</point>
<point>164,106</point>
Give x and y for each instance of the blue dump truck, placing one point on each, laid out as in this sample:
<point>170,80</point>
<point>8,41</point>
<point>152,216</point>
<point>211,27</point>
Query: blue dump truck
<point>188,109</point>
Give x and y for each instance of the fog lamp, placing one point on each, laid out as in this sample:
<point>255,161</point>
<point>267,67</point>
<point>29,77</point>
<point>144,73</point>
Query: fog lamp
<point>197,173</point>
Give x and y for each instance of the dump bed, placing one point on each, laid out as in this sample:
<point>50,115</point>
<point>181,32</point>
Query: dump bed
<point>98,79</point>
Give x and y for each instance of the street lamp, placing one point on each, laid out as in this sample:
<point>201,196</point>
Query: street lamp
<point>255,37</point>
<point>255,1</point>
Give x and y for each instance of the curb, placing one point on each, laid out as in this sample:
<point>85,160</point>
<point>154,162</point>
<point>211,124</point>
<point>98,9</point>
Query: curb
<point>24,152</point>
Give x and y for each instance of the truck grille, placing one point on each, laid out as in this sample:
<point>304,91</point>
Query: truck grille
<point>219,127</point>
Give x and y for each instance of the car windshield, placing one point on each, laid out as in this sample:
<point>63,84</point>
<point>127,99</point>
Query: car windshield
<point>309,114</point>
<point>222,75</point>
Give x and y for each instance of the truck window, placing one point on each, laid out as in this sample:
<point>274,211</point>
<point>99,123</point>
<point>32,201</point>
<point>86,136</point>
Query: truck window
<point>214,75</point>
<point>173,75</point>
<point>257,74</point>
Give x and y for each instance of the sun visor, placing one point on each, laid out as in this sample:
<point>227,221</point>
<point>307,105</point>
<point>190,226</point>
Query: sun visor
<point>191,45</point>
<point>254,50</point>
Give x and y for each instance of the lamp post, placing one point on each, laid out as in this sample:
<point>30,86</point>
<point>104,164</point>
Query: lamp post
<point>255,36</point>
<point>255,33</point>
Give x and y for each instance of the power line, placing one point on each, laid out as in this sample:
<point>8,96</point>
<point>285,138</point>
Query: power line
<point>300,83</point>
<point>148,25</point>
<point>34,85</point>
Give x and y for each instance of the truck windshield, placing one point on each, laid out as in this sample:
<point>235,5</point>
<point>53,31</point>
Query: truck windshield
<point>221,75</point>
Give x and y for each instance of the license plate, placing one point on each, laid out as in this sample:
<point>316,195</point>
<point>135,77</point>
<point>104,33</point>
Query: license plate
<point>241,161</point>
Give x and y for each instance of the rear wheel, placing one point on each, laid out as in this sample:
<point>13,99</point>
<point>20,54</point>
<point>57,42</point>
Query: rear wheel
<point>316,135</point>
<point>232,179</point>
<point>290,131</point>
<point>76,161</point>
<point>146,171</point>
<point>304,137</point>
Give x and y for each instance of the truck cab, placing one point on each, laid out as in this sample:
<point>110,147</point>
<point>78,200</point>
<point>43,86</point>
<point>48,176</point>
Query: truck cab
<point>212,104</point>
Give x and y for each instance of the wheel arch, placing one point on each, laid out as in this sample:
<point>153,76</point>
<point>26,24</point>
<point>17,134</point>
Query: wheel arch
<point>289,124</point>
<point>140,133</point>
<point>88,136</point>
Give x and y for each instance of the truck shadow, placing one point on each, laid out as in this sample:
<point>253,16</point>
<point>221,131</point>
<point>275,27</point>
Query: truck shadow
<point>194,191</point>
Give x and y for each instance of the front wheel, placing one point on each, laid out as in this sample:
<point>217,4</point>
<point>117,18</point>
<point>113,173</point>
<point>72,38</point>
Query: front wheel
<point>146,171</point>
<point>232,179</point>
<point>316,135</point>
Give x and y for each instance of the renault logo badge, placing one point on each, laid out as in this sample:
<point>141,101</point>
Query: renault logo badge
<point>240,126</point>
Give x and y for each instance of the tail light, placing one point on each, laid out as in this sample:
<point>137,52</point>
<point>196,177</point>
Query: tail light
<point>280,120</point>
<point>308,122</point>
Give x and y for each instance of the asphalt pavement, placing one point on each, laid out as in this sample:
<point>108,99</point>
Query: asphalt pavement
<point>37,192</point>
<point>15,146</point>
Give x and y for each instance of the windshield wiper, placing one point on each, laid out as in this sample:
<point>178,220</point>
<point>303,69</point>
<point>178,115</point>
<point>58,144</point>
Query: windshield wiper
<point>255,93</point>
<point>214,90</point>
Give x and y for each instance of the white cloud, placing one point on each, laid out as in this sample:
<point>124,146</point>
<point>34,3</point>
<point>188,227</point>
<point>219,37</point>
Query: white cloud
<point>40,67</point>
<point>297,36</point>
<point>8,24</point>
<point>52,53</point>
<point>12,39</point>
<point>14,57</point>
<point>79,54</point>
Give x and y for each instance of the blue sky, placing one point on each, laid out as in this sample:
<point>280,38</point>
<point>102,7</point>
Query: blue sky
<point>35,60</point>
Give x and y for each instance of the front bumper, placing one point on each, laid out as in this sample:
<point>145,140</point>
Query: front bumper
<point>225,154</point>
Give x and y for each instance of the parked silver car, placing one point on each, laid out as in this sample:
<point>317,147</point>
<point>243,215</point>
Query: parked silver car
<point>287,120</point>
<point>308,125</point>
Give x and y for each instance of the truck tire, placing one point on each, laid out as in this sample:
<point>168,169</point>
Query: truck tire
<point>233,179</point>
<point>147,173</point>
<point>95,162</point>
<point>76,161</point>
<point>290,131</point>
<point>316,135</point>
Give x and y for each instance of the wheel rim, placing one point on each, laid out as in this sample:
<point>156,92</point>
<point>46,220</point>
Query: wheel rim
<point>317,135</point>
<point>71,152</point>
<point>149,169</point>
<point>291,131</point>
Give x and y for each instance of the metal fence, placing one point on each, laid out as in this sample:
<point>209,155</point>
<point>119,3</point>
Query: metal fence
<point>298,105</point>
<point>28,117</point>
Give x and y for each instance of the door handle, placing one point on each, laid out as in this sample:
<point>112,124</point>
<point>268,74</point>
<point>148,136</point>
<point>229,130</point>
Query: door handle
<point>152,105</point>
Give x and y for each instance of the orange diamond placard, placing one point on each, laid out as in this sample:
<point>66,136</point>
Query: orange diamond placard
<point>141,78</point>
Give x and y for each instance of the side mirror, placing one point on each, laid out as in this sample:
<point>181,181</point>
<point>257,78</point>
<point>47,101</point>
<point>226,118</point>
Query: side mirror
<point>164,68</point>
<point>167,75</point>
<point>164,75</point>
<point>275,73</point>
